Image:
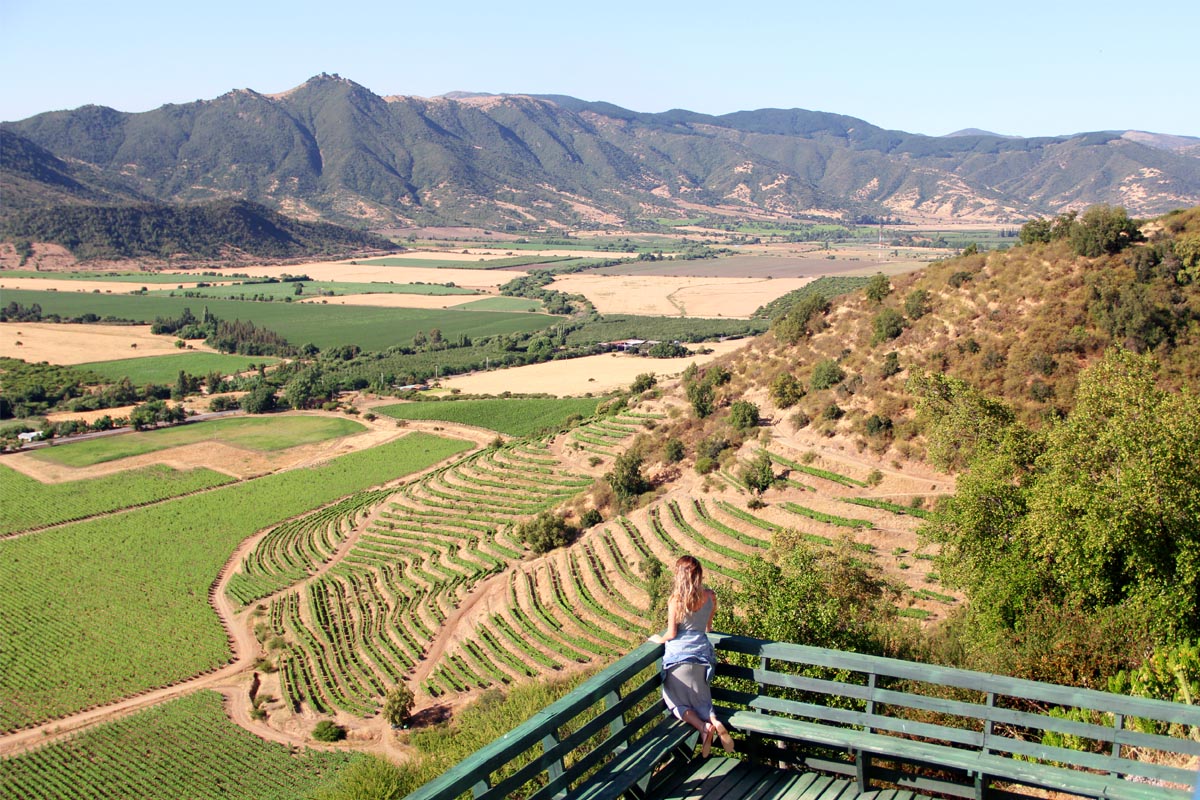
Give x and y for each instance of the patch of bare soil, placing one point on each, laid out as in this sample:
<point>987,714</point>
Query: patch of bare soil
<point>63,343</point>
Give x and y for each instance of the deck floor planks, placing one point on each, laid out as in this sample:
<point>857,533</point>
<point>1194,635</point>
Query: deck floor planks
<point>730,779</point>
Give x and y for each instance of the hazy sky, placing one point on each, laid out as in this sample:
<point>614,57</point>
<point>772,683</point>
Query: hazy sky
<point>1024,68</point>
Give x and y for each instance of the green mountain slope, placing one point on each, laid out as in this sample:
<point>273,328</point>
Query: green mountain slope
<point>334,149</point>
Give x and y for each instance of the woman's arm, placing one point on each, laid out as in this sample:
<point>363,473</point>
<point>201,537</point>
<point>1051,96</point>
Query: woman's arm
<point>672,629</point>
<point>713,612</point>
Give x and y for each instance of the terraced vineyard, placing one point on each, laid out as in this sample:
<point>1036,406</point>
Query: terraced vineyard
<point>364,625</point>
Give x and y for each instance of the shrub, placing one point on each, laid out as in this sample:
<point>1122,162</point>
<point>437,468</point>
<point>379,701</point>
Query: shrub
<point>545,532</point>
<point>712,447</point>
<point>705,465</point>
<point>891,365</point>
<point>801,319</point>
<point>590,517</point>
<point>785,390</point>
<point>594,461</point>
<point>743,415</point>
<point>673,450</point>
<point>643,382</point>
<point>626,477</point>
<point>888,324</point>
<point>916,305</point>
<point>878,288</point>
<point>876,425</point>
<point>826,374</point>
<point>397,705</point>
<point>759,474</point>
<point>957,279</point>
<point>874,478</point>
<point>223,403</point>
<point>1103,229</point>
<point>799,420</point>
<point>833,411</point>
<point>328,731</point>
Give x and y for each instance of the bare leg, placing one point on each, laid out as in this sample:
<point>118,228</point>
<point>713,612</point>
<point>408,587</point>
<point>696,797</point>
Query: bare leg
<point>722,733</point>
<point>706,730</point>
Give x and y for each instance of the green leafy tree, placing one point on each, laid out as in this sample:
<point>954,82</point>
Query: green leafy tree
<point>1103,229</point>
<point>826,374</point>
<point>397,705</point>
<point>887,324</point>
<point>1036,231</point>
<point>743,415</point>
<point>643,382</point>
<point>878,288</point>
<point>626,478</point>
<point>259,400</point>
<point>916,304</point>
<point>801,320</point>
<point>328,731</point>
<point>759,474</point>
<point>545,532</point>
<point>786,390</point>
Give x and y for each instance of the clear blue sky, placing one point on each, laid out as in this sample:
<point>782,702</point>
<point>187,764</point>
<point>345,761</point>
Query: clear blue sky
<point>1024,68</point>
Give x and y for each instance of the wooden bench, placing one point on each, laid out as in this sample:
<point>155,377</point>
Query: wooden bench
<point>957,732</point>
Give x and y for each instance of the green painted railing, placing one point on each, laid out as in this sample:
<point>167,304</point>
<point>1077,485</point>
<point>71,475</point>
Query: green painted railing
<point>883,721</point>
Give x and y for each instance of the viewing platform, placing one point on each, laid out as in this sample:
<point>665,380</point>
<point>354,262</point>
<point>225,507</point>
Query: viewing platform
<point>819,724</point>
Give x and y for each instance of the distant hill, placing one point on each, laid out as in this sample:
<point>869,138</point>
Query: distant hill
<point>977,132</point>
<point>224,229</point>
<point>332,149</point>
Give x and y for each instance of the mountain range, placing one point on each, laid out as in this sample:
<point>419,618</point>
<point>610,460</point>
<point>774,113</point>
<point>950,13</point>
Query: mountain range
<point>331,149</point>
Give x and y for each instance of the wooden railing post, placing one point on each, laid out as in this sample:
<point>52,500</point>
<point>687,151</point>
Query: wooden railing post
<point>862,759</point>
<point>981,778</point>
<point>610,700</point>
<point>1118,723</point>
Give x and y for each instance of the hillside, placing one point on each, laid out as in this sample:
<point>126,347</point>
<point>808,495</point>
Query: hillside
<point>224,229</point>
<point>332,149</point>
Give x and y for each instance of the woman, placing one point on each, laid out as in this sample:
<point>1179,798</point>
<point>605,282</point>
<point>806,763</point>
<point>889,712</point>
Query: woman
<point>689,660</point>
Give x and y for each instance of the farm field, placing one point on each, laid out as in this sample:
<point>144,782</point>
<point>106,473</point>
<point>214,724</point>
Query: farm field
<point>29,503</point>
<point>358,272</point>
<point>323,325</point>
<point>63,344</point>
<point>165,369</point>
<point>515,417</point>
<point>502,304</point>
<point>655,295</point>
<point>256,433</point>
<point>597,374</point>
<point>66,282</point>
<point>466,261</point>
<point>311,289</point>
<point>184,748</point>
<point>139,278</point>
<point>100,610</point>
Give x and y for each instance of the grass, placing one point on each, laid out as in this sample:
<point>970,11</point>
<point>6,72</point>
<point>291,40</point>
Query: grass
<point>264,434</point>
<point>310,289</point>
<point>518,416</point>
<point>502,304</point>
<point>184,748</point>
<point>165,369</point>
<point>29,503</point>
<point>326,326</point>
<point>101,610</point>
<point>467,262</point>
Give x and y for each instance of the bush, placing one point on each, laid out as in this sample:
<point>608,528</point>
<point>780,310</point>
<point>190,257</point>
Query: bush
<point>743,415</point>
<point>759,474</point>
<point>673,451</point>
<point>545,532</point>
<point>891,365</point>
<point>328,731</point>
<point>590,517</point>
<point>916,305</point>
<point>785,390</point>
<point>643,382</point>
<point>826,374</point>
<point>397,705</point>
<point>705,465</point>
<point>799,420</point>
<point>832,412</point>
<point>712,447</point>
<point>223,403</point>
<point>877,425</point>
<point>1103,229</point>
<point>878,288</point>
<point>888,324</point>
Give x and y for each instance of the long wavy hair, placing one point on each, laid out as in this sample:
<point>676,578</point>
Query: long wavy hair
<point>688,588</point>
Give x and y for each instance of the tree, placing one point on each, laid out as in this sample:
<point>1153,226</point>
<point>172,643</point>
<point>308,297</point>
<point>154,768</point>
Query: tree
<point>626,477</point>
<point>826,374</point>
<point>260,399</point>
<point>328,731</point>
<point>878,288</point>
<point>916,304</point>
<point>546,532</point>
<point>673,450</point>
<point>785,390</point>
<point>743,415</point>
<point>1103,229</point>
<point>702,396</point>
<point>397,705</point>
<point>888,324</point>
<point>759,474</point>
<point>801,319</point>
<point>1036,231</point>
<point>306,388</point>
<point>643,382</point>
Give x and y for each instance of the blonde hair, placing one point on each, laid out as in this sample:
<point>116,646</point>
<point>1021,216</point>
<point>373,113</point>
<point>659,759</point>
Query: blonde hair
<point>688,588</point>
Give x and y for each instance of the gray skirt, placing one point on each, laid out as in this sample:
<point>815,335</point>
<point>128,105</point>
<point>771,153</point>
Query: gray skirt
<point>686,686</point>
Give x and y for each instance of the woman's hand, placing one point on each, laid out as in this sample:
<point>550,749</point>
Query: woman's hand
<point>656,638</point>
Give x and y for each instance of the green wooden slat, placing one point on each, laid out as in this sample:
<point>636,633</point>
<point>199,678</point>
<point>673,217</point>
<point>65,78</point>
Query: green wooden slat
<point>696,782</point>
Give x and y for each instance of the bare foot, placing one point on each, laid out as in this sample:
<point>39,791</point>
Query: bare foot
<point>706,741</point>
<point>723,733</point>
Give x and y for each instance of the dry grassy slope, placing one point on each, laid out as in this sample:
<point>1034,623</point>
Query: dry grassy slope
<point>1018,324</point>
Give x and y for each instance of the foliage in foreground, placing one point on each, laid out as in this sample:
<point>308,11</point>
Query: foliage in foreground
<point>1094,516</point>
<point>183,748</point>
<point>104,609</point>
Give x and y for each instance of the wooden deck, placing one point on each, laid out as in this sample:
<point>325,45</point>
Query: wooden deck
<point>732,779</point>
